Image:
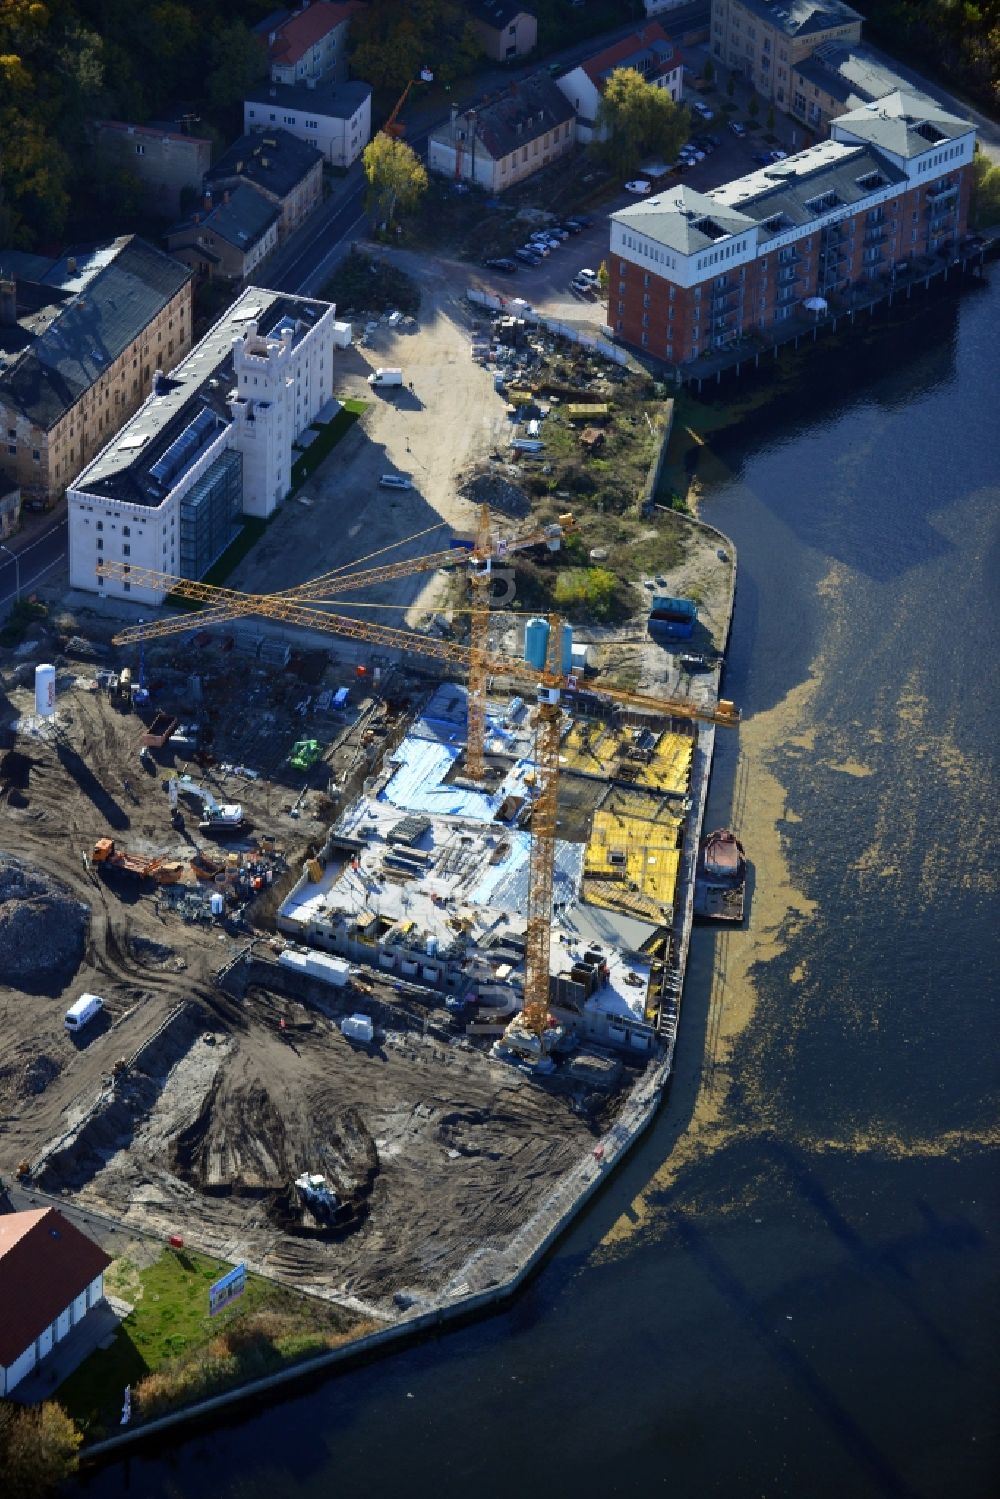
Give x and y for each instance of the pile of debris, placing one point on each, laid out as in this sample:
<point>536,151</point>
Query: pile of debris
<point>499,493</point>
<point>42,928</point>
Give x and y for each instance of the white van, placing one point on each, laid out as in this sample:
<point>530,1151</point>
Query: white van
<point>395,481</point>
<point>386,377</point>
<point>82,1012</point>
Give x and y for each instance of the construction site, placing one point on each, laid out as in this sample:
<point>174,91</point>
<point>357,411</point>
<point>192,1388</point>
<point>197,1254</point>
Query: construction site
<point>387,921</point>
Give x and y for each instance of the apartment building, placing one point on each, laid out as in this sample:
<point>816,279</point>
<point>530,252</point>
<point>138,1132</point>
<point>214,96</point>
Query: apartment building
<point>309,42</point>
<point>212,443</point>
<point>227,237</point>
<point>165,161</point>
<point>764,39</point>
<point>838,77</point>
<point>504,139</point>
<point>690,271</point>
<point>649,51</point>
<point>285,171</point>
<point>80,338</point>
<point>335,118</point>
<point>504,28</point>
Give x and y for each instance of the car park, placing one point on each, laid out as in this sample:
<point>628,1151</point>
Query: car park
<point>639,186</point>
<point>738,128</point>
<point>501,263</point>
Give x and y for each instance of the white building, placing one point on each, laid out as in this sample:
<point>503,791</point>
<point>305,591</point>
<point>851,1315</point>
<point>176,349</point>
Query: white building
<point>335,118</point>
<point>212,442</point>
<point>649,51</point>
<point>51,1278</point>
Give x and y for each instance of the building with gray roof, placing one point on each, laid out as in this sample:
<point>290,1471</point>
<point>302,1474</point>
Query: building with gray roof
<point>212,442</point>
<point>690,271</point>
<point>505,137</point>
<point>838,77</point>
<point>763,40</point>
<point>286,171</point>
<point>336,118</point>
<point>78,345</point>
<point>227,237</point>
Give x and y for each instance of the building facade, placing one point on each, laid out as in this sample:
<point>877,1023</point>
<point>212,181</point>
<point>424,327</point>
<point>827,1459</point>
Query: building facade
<point>504,29</point>
<point>285,171</point>
<point>78,347</point>
<point>10,509</point>
<point>335,118</point>
<point>228,237</point>
<point>649,51</point>
<point>165,161</point>
<point>310,43</point>
<point>691,272</point>
<point>51,1279</point>
<point>212,443</point>
<point>763,39</point>
<point>502,141</point>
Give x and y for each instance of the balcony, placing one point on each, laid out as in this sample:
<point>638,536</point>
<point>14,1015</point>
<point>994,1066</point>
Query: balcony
<point>941,194</point>
<point>876,236</point>
<point>788,276</point>
<point>723,301</point>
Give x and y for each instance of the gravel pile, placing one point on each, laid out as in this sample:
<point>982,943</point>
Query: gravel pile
<point>497,492</point>
<point>42,928</point>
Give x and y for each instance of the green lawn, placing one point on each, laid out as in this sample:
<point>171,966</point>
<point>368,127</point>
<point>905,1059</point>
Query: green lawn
<point>171,1335</point>
<point>330,434</point>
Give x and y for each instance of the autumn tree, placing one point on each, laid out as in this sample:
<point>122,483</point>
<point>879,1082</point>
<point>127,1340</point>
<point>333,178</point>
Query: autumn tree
<point>397,178</point>
<point>38,1449</point>
<point>984,209</point>
<point>394,39</point>
<point>634,118</point>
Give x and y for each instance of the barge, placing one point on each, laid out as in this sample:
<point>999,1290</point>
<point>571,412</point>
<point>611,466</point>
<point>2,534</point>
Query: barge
<point>720,881</point>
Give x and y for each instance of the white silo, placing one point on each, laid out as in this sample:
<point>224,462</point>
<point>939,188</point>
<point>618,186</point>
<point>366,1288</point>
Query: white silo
<point>45,691</point>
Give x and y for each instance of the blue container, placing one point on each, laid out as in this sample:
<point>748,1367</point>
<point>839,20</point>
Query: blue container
<point>567,649</point>
<point>536,642</point>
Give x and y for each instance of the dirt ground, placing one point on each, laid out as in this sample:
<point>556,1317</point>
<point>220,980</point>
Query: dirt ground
<point>433,1150</point>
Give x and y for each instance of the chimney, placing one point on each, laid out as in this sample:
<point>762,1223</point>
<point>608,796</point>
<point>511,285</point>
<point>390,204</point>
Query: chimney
<point>8,303</point>
<point>159,387</point>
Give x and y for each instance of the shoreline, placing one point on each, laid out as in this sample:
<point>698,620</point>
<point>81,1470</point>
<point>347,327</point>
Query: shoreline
<point>489,1280</point>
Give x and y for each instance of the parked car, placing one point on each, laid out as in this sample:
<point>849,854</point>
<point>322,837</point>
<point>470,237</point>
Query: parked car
<point>761,158</point>
<point>535,247</point>
<point>587,275</point>
<point>584,220</point>
<point>574,226</point>
<point>777,155</point>
<point>701,108</point>
<point>639,186</point>
<point>395,481</point>
<point>527,257</point>
<point>501,263</point>
<point>738,128</point>
<point>694,154</point>
<point>556,231</point>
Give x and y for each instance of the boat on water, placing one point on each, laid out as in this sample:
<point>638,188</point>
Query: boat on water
<point>720,880</point>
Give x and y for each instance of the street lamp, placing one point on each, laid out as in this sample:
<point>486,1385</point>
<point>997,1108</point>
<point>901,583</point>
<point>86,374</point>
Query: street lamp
<point>17,572</point>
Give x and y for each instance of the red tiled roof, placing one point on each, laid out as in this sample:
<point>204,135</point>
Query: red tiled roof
<point>617,55</point>
<point>303,31</point>
<point>44,1263</point>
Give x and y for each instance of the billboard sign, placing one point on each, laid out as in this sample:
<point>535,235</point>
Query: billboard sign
<point>227,1289</point>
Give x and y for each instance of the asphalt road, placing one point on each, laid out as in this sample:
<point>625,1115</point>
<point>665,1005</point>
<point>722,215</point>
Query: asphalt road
<point>31,563</point>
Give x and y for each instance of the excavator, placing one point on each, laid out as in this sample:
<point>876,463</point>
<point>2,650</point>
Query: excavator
<point>217,817</point>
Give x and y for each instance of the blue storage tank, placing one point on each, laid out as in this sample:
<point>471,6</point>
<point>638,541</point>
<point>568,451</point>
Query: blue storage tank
<point>536,645</point>
<point>536,642</point>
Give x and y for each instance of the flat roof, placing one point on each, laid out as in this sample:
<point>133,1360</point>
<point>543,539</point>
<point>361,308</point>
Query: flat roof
<point>803,17</point>
<point>337,101</point>
<point>196,391</point>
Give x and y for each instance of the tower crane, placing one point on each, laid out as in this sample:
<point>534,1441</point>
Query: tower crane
<point>486,549</point>
<point>527,1032</point>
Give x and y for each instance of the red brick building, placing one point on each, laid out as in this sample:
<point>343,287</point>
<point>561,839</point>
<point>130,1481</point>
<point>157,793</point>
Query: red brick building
<point>691,272</point>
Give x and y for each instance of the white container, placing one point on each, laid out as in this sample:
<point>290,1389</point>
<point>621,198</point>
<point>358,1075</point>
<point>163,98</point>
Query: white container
<point>317,965</point>
<point>82,1013</point>
<point>45,691</point>
<point>358,1028</point>
<point>217,903</point>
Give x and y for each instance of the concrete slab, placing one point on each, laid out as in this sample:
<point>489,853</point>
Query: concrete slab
<point>97,1330</point>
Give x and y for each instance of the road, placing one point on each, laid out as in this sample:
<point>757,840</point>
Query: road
<point>35,559</point>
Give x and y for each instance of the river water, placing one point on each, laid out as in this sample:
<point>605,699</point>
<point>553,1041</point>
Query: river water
<point>790,1289</point>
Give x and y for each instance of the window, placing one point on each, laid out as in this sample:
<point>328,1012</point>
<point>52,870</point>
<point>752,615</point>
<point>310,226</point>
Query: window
<point>140,150</point>
<point>127,586</point>
<point>36,455</point>
<point>126,530</point>
<point>100,543</point>
<point>126,550</point>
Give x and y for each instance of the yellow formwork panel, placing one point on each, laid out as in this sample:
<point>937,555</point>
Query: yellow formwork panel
<point>643,855</point>
<point>599,749</point>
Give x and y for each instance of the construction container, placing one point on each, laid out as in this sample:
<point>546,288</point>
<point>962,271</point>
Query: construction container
<point>45,691</point>
<point>317,965</point>
<point>583,659</point>
<point>217,903</point>
<point>672,617</point>
<point>358,1028</point>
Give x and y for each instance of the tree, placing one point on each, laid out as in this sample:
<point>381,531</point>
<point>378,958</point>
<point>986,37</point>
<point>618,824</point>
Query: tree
<point>394,39</point>
<point>635,117</point>
<point>708,71</point>
<point>603,276</point>
<point>985,205</point>
<point>239,63</point>
<point>397,178</point>
<point>753,108</point>
<point>38,1447</point>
